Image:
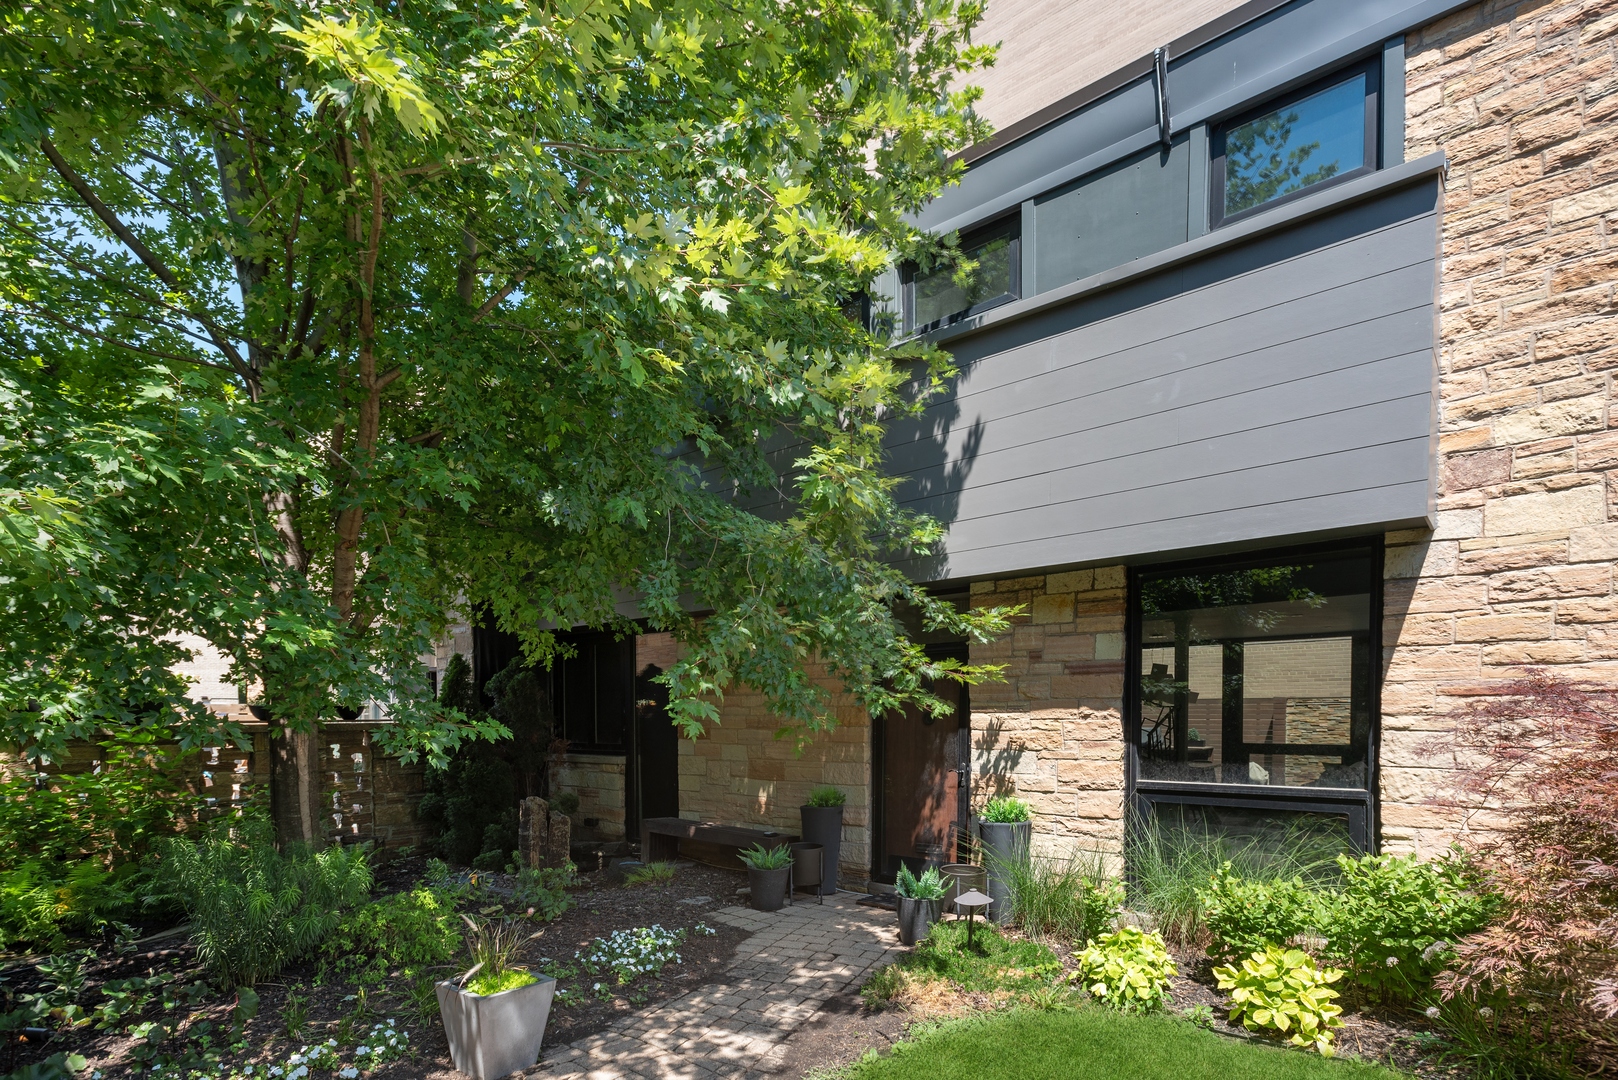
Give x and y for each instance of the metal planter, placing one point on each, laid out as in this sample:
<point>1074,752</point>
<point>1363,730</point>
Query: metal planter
<point>823,825</point>
<point>494,1036</point>
<point>768,888</point>
<point>916,918</point>
<point>1004,844</point>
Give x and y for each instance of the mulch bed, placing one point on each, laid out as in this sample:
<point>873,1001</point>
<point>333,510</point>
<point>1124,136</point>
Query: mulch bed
<point>599,907</point>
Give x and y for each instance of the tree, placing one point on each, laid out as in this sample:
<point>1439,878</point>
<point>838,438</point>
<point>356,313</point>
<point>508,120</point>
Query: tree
<point>319,319</point>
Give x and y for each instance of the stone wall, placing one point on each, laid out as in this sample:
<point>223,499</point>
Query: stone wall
<point>365,795</point>
<point>598,781</point>
<point>1522,98</point>
<point>1052,732</point>
<point>739,773</point>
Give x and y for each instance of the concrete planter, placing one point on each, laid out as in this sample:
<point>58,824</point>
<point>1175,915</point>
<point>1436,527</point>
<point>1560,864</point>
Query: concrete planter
<point>491,1037</point>
<point>823,825</point>
<point>916,918</point>
<point>1004,844</point>
<point>769,888</point>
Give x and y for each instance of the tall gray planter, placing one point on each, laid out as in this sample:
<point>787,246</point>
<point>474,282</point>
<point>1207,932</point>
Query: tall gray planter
<point>916,918</point>
<point>494,1036</point>
<point>823,825</point>
<point>1004,844</point>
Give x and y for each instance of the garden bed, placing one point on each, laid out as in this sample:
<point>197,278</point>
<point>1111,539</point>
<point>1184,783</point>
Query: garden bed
<point>1019,974</point>
<point>299,1009</point>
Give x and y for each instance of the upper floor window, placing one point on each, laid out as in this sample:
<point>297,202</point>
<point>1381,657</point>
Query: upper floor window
<point>1322,134</point>
<point>988,272</point>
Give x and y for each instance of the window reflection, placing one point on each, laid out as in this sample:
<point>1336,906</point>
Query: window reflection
<point>1291,148</point>
<point>984,272</point>
<point>1257,675</point>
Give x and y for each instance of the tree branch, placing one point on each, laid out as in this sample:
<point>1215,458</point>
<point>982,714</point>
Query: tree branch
<point>494,301</point>
<point>147,256</point>
<point>40,312</point>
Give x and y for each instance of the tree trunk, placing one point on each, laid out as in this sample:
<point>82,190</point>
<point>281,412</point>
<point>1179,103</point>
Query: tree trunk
<point>294,786</point>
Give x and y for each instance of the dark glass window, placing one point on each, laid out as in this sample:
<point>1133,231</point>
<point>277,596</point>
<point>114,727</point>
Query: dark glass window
<point>988,272</point>
<point>1257,674</point>
<point>592,691</point>
<point>1323,134</point>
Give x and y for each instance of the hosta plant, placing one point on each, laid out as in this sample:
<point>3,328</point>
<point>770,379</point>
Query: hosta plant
<point>1127,969</point>
<point>1283,991</point>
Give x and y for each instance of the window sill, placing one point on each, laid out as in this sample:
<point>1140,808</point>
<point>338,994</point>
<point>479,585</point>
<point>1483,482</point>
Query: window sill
<point>1252,791</point>
<point>1285,216</point>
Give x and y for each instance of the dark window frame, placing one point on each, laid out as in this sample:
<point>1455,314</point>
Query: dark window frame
<point>1008,225</point>
<point>1361,808</point>
<point>1370,67</point>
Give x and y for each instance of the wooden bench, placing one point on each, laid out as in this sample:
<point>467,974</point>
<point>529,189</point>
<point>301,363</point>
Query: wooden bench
<point>660,837</point>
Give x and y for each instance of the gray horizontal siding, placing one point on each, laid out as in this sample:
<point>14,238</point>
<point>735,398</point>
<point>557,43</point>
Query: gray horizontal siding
<point>1278,389</point>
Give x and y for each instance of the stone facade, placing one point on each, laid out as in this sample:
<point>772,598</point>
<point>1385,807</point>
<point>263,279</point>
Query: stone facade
<point>1522,97</point>
<point>739,773</point>
<point>1052,732</point>
<point>598,781</point>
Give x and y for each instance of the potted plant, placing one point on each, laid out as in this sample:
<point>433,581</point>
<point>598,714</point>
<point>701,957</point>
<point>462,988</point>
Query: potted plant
<point>1006,831</point>
<point>767,872</point>
<point>823,825</point>
<point>920,901</point>
<point>1196,749</point>
<point>494,1015</point>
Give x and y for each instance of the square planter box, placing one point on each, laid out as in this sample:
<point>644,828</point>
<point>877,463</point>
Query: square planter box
<point>491,1037</point>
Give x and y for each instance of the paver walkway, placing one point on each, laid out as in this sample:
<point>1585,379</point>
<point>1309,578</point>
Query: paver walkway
<point>797,958</point>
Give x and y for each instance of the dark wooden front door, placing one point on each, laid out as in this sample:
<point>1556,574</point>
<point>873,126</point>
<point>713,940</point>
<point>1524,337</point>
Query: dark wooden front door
<point>655,761</point>
<point>921,762</point>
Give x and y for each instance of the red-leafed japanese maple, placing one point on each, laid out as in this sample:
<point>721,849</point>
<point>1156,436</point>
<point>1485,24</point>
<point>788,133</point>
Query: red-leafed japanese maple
<point>1541,758</point>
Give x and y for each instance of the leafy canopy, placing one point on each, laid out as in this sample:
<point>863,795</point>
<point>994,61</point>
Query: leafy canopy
<point>321,321</point>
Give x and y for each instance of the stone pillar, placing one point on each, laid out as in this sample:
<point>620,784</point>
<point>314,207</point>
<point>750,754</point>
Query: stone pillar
<point>543,836</point>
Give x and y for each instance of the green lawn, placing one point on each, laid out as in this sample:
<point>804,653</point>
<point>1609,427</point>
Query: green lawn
<point>1094,1042</point>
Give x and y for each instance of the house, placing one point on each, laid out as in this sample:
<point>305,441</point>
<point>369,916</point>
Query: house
<point>1283,406</point>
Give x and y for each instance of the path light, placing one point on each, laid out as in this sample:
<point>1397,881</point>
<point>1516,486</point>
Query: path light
<point>971,903</point>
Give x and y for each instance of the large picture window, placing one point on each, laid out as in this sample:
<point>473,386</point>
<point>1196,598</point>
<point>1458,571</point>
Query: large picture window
<point>1323,134</point>
<point>989,272</point>
<point>1255,680</point>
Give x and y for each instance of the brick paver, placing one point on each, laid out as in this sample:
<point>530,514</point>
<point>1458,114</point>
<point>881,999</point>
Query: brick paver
<point>797,958</point>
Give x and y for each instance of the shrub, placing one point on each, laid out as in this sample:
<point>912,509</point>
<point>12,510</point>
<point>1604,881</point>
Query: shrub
<point>543,890</point>
<point>653,873</point>
<point>758,857</point>
<point>75,843</point>
<point>253,909</point>
<point>43,905</point>
<point>930,886</point>
<point>565,803</point>
<point>1172,862</point>
<point>1284,992</point>
<point>827,796</point>
<point>1004,810</point>
<point>1394,920</point>
<point>1546,765</point>
<point>1127,969</point>
<point>1070,898</point>
<point>471,801</point>
<point>404,935</point>
<point>1244,916</point>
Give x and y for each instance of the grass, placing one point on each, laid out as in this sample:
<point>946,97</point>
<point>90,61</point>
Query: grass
<point>944,965</point>
<point>1072,899</point>
<point>653,873</point>
<point>1094,1043</point>
<point>1169,862</point>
